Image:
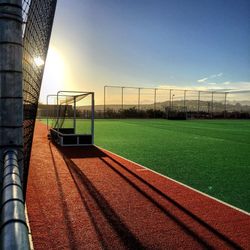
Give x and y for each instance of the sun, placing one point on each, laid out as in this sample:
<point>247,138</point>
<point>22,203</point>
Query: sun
<point>54,73</point>
<point>39,61</point>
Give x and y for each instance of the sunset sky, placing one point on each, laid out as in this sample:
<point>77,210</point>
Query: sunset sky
<point>200,44</point>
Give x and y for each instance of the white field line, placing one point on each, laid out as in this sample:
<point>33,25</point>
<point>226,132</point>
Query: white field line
<point>182,184</point>
<point>28,224</point>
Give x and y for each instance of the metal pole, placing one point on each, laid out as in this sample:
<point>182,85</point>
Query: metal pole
<point>170,96</point>
<point>225,106</point>
<point>212,104</point>
<point>93,117</point>
<point>104,104</point>
<point>74,114</point>
<point>47,112</point>
<point>58,113</point>
<point>139,98</point>
<point>155,99</point>
<point>122,97</point>
<point>11,91</point>
<point>173,100</point>
<point>13,231</point>
<point>199,97</point>
<point>185,99</point>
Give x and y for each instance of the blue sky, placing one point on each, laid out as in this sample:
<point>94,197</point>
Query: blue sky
<point>201,44</point>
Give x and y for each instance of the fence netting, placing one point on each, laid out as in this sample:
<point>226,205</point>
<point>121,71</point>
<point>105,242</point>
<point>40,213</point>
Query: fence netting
<point>37,25</point>
<point>157,103</point>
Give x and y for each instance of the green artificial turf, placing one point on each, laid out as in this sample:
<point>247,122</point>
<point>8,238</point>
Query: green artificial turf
<point>212,156</point>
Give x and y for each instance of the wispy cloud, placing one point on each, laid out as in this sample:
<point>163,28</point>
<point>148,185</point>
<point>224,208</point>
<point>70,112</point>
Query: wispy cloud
<point>216,75</point>
<point>203,80</point>
<point>211,86</point>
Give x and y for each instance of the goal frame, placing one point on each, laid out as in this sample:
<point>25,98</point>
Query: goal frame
<point>68,136</point>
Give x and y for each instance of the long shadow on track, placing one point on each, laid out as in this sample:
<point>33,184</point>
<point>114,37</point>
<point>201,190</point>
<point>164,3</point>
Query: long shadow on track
<point>86,187</point>
<point>83,185</point>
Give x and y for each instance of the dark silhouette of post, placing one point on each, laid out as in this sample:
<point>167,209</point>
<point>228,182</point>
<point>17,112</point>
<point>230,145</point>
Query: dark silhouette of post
<point>199,97</point>
<point>104,102</point>
<point>212,104</point>
<point>170,99</point>
<point>13,231</point>
<point>225,106</point>
<point>11,112</point>
<point>139,98</point>
<point>155,99</point>
<point>184,101</point>
<point>122,97</point>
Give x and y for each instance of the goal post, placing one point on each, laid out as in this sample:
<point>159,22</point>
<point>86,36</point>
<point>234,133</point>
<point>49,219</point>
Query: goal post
<point>70,118</point>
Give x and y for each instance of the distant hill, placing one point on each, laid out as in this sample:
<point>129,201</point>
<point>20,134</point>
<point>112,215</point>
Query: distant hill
<point>191,105</point>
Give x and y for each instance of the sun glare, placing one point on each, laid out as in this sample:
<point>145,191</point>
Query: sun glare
<point>54,75</point>
<point>39,61</point>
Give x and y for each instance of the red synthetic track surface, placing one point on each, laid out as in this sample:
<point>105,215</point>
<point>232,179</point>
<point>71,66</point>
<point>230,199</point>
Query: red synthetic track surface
<point>88,198</point>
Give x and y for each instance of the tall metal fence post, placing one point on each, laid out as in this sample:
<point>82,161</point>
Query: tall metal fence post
<point>170,99</point>
<point>74,115</point>
<point>185,93</point>
<point>104,102</point>
<point>199,97</point>
<point>122,97</point>
<point>225,106</point>
<point>13,229</point>
<point>212,104</point>
<point>155,99</point>
<point>139,98</point>
<point>92,116</point>
<point>11,102</point>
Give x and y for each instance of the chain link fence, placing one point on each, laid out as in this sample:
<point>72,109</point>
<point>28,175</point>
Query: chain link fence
<point>118,101</point>
<point>37,25</point>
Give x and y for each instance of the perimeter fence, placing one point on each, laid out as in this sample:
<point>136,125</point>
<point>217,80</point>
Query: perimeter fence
<point>120,101</point>
<point>37,25</point>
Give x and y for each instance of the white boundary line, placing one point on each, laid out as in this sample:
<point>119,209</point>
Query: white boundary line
<point>182,184</point>
<point>28,224</point>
